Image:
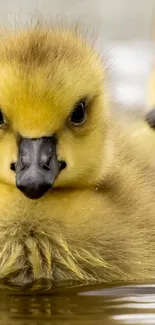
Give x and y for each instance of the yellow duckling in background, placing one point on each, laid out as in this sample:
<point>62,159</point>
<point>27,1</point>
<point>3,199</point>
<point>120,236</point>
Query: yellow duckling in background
<point>76,192</point>
<point>150,115</point>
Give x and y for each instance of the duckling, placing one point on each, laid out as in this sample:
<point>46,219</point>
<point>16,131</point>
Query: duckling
<point>150,118</point>
<point>76,191</point>
<point>150,114</point>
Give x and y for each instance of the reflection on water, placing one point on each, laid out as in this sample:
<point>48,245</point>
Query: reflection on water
<point>75,304</point>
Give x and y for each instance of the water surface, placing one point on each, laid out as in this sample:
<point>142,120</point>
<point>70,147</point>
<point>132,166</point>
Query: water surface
<point>78,305</point>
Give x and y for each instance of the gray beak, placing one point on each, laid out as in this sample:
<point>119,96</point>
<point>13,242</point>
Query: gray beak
<point>37,166</point>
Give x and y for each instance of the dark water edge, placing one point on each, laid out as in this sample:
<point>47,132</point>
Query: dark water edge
<point>77,304</point>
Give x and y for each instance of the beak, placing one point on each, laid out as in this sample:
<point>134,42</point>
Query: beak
<point>37,166</point>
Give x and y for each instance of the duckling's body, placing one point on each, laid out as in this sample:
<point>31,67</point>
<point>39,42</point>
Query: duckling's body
<point>97,221</point>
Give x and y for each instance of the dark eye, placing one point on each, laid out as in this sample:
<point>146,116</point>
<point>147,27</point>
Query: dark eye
<point>1,118</point>
<point>79,114</point>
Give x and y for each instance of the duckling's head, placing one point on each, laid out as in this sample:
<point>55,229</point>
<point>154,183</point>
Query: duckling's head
<point>52,101</point>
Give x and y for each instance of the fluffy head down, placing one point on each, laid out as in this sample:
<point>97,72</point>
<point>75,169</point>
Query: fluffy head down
<point>44,74</point>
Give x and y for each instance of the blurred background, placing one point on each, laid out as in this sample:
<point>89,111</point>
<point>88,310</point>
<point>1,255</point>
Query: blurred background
<point>125,34</point>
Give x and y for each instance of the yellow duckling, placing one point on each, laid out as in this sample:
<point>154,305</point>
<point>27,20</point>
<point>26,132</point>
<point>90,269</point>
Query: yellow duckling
<point>76,193</point>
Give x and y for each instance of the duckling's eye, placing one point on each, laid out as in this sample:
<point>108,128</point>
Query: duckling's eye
<point>1,118</point>
<point>79,114</point>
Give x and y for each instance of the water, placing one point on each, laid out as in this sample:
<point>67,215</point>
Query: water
<point>79,305</point>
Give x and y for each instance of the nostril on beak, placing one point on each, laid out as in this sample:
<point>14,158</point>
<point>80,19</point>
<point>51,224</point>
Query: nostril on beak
<point>45,162</point>
<point>25,162</point>
<point>13,166</point>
